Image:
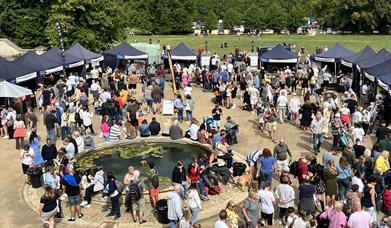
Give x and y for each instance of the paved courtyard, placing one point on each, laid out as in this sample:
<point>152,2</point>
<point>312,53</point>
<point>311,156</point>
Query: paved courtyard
<point>15,212</point>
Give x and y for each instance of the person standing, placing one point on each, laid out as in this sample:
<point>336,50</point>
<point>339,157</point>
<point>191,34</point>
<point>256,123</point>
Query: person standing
<point>344,178</point>
<point>136,188</point>
<point>360,218</point>
<point>19,132</point>
<point>281,152</point>
<point>50,121</point>
<point>114,195</point>
<point>267,200</point>
<point>179,106</point>
<point>251,209</point>
<point>330,175</point>
<point>174,204</point>
<point>86,116</point>
<point>306,196</point>
<point>48,206</point>
<point>194,202</point>
<point>27,157</point>
<point>282,103</point>
<point>368,200</point>
<point>70,185</point>
<point>267,163</point>
<point>285,195</point>
<point>317,134</point>
<point>216,114</point>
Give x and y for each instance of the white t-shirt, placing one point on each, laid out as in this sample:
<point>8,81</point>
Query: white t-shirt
<point>360,219</point>
<point>357,117</point>
<point>364,89</point>
<point>282,101</point>
<point>295,105</point>
<point>187,90</point>
<point>253,93</point>
<point>358,181</point>
<point>285,192</point>
<point>193,131</point>
<point>230,68</point>
<point>95,87</point>
<point>266,198</point>
<point>358,133</point>
<point>221,224</point>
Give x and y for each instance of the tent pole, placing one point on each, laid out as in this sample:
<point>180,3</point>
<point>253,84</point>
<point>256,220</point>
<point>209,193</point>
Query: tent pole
<point>172,72</point>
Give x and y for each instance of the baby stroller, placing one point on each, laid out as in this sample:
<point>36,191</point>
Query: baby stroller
<point>232,135</point>
<point>246,101</point>
<point>260,114</point>
<point>208,121</point>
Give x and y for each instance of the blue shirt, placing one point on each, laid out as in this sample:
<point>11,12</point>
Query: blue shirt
<point>48,179</point>
<point>216,76</point>
<point>144,130</point>
<point>224,76</point>
<point>327,156</point>
<point>267,164</point>
<point>343,173</point>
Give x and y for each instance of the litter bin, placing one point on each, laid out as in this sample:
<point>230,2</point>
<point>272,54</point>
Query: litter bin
<point>162,210</point>
<point>239,168</point>
<point>35,174</point>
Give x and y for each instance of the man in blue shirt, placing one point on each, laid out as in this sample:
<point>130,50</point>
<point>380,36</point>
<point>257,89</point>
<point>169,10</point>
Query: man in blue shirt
<point>224,76</point>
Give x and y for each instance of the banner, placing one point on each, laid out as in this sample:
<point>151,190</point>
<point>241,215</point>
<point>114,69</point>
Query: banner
<point>60,35</point>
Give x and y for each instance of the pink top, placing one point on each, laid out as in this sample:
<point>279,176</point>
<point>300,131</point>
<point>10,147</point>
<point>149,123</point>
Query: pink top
<point>185,79</point>
<point>337,219</point>
<point>105,128</point>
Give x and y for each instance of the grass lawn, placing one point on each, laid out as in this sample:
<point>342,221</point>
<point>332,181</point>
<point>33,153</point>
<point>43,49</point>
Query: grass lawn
<point>352,42</point>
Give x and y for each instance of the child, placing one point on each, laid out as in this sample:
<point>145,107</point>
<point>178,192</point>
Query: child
<point>185,221</point>
<point>313,223</point>
<point>352,195</point>
<point>153,179</point>
<point>291,217</point>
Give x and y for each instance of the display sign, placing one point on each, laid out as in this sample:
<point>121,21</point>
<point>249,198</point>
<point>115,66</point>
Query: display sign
<point>168,107</point>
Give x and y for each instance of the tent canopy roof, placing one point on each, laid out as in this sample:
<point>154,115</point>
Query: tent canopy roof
<point>386,79</point>
<point>382,56</point>
<point>124,49</point>
<point>279,52</point>
<point>54,54</point>
<point>380,69</point>
<point>11,70</point>
<point>365,53</point>
<point>82,52</point>
<point>336,52</point>
<point>36,62</point>
<point>183,52</point>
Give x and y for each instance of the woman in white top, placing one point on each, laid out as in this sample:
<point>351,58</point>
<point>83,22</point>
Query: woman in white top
<point>27,157</point>
<point>294,107</point>
<point>79,141</point>
<point>194,201</point>
<point>285,197</point>
<point>301,221</point>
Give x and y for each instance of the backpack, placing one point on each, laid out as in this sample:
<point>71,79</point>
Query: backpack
<point>78,117</point>
<point>154,180</point>
<point>134,191</point>
<point>293,167</point>
<point>120,186</point>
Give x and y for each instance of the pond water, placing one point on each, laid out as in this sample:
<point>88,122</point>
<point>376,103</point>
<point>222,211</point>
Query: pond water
<point>164,155</point>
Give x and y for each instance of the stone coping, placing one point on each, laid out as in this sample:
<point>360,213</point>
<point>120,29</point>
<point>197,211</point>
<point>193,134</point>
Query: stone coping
<point>94,216</point>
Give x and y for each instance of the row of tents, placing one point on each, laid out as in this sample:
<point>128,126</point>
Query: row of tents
<point>31,65</point>
<point>375,66</point>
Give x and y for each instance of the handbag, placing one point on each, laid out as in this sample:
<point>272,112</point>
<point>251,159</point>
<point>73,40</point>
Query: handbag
<point>349,177</point>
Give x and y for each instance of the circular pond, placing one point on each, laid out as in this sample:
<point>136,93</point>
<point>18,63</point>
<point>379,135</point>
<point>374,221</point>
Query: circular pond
<point>165,155</point>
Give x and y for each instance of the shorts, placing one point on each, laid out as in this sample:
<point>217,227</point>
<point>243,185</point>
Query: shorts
<point>253,101</point>
<point>132,86</point>
<point>45,216</point>
<point>139,205</point>
<point>271,126</point>
<point>74,200</point>
<point>149,102</point>
<point>154,192</point>
<point>25,168</point>
<point>283,163</point>
<point>268,218</point>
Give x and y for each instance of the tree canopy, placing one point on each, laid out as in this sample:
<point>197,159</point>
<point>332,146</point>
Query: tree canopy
<point>97,24</point>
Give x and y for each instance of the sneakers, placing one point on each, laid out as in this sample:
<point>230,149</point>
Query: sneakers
<point>116,218</point>
<point>143,221</point>
<point>109,215</point>
<point>84,203</point>
<point>87,206</point>
<point>5,137</point>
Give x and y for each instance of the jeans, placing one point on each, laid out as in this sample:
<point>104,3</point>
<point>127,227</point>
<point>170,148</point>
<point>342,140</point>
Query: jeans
<point>216,123</point>
<point>317,142</point>
<point>379,202</point>
<point>173,223</point>
<point>343,188</point>
<point>115,206</point>
<point>265,176</point>
<point>64,132</point>
<point>51,135</point>
<point>201,187</point>
<point>194,214</point>
<point>180,114</point>
<point>189,115</point>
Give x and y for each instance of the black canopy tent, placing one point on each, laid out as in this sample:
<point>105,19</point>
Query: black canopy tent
<point>332,56</point>
<point>183,52</point>
<point>78,55</point>
<point>382,56</point>
<point>39,63</point>
<point>380,74</point>
<point>351,62</point>
<point>123,51</point>
<point>12,71</point>
<point>279,55</point>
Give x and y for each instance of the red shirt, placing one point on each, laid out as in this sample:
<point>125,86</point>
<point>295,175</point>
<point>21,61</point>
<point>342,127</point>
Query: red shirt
<point>302,169</point>
<point>194,174</point>
<point>387,199</point>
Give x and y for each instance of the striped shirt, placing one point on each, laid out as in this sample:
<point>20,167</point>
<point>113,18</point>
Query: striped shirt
<point>114,133</point>
<point>253,157</point>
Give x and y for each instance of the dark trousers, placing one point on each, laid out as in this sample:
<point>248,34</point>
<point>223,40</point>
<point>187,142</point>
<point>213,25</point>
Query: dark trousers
<point>115,206</point>
<point>335,141</point>
<point>227,158</point>
<point>89,193</point>
<point>90,127</point>
<point>19,143</point>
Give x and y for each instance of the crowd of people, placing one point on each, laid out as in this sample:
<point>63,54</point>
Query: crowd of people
<point>345,185</point>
